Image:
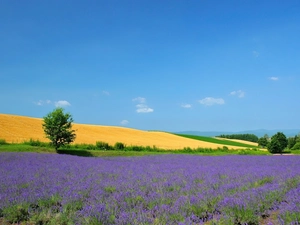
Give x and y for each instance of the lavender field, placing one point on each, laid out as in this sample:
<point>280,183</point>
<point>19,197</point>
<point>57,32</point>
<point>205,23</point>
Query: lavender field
<point>163,189</point>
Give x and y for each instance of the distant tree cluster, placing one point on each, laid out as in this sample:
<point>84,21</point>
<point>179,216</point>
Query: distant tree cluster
<point>245,137</point>
<point>264,141</point>
<point>279,142</point>
<point>294,142</point>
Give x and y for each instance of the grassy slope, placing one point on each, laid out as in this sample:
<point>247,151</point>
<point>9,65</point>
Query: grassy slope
<point>216,141</point>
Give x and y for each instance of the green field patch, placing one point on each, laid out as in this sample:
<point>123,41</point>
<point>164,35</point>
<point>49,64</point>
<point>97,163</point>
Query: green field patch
<point>216,141</point>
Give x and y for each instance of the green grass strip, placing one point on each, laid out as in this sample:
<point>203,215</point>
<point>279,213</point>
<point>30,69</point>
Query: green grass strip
<point>217,141</point>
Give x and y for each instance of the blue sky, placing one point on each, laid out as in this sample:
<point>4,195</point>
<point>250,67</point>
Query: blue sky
<point>168,65</point>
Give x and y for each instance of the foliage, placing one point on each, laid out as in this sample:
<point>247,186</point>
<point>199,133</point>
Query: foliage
<point>278,143</point>
<point>103,145</point>
<point>33,142</point>
<point>267,137</point>
<point>296,146</point>
<point>57,126</point>
<point>119,146</point>
<point>245,137</point>
<point>292,141</point>
<point>16,213</point>
<point>3,142</point>
<point>263,142</point>
<point>274,146</point>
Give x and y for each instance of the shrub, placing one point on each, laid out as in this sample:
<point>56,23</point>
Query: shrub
<point>149,149</point>
<point>187,149</point>
<point>296,146</point>
<point>36,143</point>
<point>33,142</point>
<point>81,147</point>
<point>225,148</point>
<point>136,148</point>
<point>76,146</point>
<point>67,146</point>
<point>103,145</point>
<point>3,142</point>
<point>91,147</point>
<point>119,146</point>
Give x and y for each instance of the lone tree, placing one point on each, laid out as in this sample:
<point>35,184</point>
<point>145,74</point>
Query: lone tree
<point>278,143</point>
<point>58,128</point>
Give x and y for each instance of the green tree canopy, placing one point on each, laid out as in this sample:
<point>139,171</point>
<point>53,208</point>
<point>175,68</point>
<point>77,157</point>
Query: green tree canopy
<point>245,137</point>
<point>278,143</point>
<point>57,126</point>
<point>292,141</point>
<point>263,142</point>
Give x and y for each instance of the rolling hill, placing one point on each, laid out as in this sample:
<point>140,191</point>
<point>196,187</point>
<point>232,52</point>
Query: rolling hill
<point>17,129</point>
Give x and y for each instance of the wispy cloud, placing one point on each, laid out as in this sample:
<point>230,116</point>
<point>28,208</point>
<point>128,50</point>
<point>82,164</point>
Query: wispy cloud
<point>142,107</point>
<point>42,102</point>
<point>274,78</point>
<point>124,122</point>
<point>209,101</point>
<point>239,93</point>
<point>255,54</point>
<point>139,99</point>
<point>62,103</point>
<point>105,93</point>
<point>187,106</point>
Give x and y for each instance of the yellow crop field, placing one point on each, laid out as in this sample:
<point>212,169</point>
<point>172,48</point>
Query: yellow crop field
<point>16,129</point>
<point>241,141</point>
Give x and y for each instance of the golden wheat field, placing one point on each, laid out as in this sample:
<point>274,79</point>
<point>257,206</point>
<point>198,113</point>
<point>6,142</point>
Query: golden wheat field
<point>16,129</point>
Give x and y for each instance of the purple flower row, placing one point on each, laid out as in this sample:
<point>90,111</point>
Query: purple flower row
<point>162,189</point>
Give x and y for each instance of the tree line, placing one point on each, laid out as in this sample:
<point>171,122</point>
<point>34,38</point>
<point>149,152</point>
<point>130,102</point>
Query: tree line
<point>278,142</point>
<point>245,137</point>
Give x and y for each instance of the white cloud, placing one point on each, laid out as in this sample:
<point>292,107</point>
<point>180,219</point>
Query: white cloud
<point>42,102</point>
<point>239,93</point>
<point>139,99</point>
<point>187,106</point>
<point>274,78</point>
<point>62,103</point>
<point>144,110</point>
<point>255,53</point>
<point>142,107</point>
<point>105,93</point>
<point>209,101</point>
<point>124,122</point>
